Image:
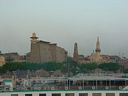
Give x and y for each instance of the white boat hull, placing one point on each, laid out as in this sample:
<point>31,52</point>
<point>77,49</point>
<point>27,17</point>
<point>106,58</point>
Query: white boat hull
<point>65,93</point>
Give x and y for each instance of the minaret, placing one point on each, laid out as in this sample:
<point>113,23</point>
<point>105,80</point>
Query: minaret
<point>34,38</point>
<point>34,48</point>
<point>98,50</point>
<point>75,54</point>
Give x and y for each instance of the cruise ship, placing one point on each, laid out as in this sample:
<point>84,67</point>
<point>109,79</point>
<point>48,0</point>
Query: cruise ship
<point>79,85</point>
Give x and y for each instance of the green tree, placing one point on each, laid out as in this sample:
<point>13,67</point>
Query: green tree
<point>52,66</point>
<point>72,66</point>
<point>125,70</point>
<point>110,66</point>
<point>84,68</point>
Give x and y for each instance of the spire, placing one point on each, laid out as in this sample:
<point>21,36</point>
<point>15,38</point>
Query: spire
<point>98,45</point>
<point>34,38</point>
<point>75,54</point>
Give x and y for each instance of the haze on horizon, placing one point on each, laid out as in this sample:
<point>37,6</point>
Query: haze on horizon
<point>65,22</point>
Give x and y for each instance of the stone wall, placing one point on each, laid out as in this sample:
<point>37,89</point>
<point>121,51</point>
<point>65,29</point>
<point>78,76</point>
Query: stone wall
<point>42,52</point>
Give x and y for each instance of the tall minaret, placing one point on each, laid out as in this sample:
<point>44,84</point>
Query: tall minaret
<point>75,54</point>
<point>34,50</point>
<point>34,38</point>
<point>98,50</point>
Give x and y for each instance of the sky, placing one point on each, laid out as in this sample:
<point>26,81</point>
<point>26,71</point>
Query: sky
<point>65,22</point>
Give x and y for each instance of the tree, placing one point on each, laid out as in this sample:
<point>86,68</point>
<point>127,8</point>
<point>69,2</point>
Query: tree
<point>110,66</point>
<point>125,71</point>
<point>84,68</point>
<point>13,66</point>
<point>52,66</point>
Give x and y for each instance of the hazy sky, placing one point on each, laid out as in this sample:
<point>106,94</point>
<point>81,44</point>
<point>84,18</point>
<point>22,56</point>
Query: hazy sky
<point>65,22</point>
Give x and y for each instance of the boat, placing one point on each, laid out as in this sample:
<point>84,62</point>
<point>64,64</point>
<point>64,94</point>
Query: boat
<point>78,85</point>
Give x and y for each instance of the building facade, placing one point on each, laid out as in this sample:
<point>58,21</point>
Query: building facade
<point>14,57</point>
<point>2,60</point>
<point>43,51</point>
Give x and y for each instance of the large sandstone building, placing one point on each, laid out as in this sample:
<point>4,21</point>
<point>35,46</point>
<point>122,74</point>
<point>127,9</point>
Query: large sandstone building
<point>43,51</point>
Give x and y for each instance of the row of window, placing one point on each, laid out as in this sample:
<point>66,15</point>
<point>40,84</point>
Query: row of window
<point>80,94</point>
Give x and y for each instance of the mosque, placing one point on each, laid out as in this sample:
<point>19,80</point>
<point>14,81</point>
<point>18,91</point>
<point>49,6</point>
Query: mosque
<point>44,51</point>
<point>95,57</point>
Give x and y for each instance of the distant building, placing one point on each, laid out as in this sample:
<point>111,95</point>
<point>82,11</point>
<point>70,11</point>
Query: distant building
<point>42,73</point>
<point>2,60</point>
<point>14,57</point>
<point>57,73</point>
<point>96,56</point>
<point>43,51</point>
<point>11,57</point>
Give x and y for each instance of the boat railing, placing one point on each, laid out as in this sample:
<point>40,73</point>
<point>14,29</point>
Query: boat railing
<point>55,87</point>
<point>105,74</point>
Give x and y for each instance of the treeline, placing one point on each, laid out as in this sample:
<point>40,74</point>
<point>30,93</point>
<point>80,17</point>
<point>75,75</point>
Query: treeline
<point>13,66</point>
<point>66,67</point>
<point>114,67</point>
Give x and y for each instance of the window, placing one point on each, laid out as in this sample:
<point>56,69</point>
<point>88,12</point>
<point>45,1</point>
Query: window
<point>14,94</point>
<point>56,94</point>
<point>96,94</point>
<point>123,94</point>
<point>110,94</point>
<point>69,94</point>
<point>28,94</point>
<point>42,94</point>
<point>83,94</point>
